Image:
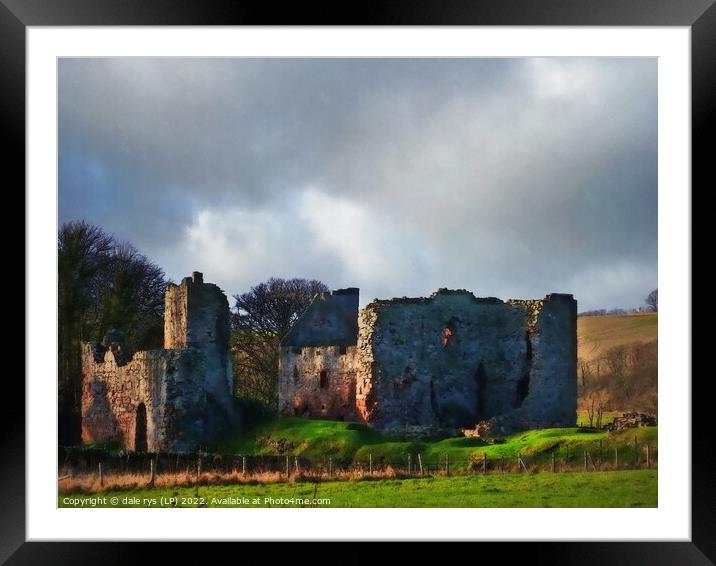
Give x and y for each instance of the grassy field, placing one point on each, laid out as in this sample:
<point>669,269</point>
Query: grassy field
<point>596,334</point>
<point>356,443</point>
<point>305,437</point>
<point>634,488</point>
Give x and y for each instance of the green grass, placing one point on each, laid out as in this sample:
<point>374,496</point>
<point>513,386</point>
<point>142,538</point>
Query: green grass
<point>352,442</point>
<point>303,437</point>
<point>596,334</point>
<point>634,488</point>
<point>535,446</point>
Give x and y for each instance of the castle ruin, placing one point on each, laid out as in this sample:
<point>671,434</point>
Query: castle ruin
<point>172,399</point>
<point>448,361</point>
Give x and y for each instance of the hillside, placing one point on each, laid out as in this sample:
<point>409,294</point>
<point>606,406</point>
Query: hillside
<point>596,334</point>
<point>618,363</point>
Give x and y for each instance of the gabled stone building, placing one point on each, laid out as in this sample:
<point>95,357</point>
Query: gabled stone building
<point>447,361</point>
<point>172,399</point>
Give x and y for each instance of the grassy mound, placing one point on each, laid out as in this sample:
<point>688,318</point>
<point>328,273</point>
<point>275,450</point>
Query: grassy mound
<point>353,442</point>
<point>303,437</point>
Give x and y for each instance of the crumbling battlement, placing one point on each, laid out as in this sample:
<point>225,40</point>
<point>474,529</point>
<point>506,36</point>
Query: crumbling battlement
<point>171,399</point>
<point>449,360</point>
<point>425,300</point>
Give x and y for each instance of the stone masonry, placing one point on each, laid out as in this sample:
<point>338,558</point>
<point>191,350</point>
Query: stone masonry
<point>172,399</point>
<point>318,361</point>
<point>448,361</point>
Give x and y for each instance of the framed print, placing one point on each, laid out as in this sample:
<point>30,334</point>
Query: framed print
<point>399,273</point>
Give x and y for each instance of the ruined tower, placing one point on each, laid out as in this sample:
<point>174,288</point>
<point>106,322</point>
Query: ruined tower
<point>174,399</point>
<point>197,316</point>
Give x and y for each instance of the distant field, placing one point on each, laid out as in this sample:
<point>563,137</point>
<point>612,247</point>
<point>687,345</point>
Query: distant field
<point>635,488</point>
<point>596,334</point>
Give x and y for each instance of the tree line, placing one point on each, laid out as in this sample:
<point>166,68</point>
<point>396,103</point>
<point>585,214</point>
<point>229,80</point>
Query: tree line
<point>651,304</point>
<point>103,284</point>
<point>624,377</point>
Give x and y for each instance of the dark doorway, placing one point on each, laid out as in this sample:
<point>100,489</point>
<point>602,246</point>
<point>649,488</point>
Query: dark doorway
<point>523,385</point>
<point>481,392</point>
<point>140,429</point>
<point>434,402</point>
<point>323,379</point>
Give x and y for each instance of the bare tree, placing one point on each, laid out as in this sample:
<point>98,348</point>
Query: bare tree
<point>585,371</point>
<point>261,319</point>
<point>652,301</point>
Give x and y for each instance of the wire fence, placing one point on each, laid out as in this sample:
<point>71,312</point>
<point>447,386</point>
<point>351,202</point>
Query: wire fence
<point>599,456</point>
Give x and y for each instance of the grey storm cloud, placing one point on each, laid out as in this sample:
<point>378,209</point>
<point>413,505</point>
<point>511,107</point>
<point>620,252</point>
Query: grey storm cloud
<point>508,177</point>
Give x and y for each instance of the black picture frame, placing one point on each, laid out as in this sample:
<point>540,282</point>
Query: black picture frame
<point>699,15</point>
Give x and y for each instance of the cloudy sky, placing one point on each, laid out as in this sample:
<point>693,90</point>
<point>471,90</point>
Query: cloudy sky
<point>508,177</point>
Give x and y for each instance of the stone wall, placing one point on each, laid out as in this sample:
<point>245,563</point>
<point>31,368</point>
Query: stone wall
<point>317,365</point>
<point>447,361</point>
<point>162,386</point>
<point>552,396</point>
<point>318,381</point>
<point>177,398</point>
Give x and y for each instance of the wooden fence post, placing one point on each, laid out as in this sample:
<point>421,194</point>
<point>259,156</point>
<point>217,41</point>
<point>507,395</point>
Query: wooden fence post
<point>101,478</point>
<point>592,462</point>
<point>370,463</point>
<point>484,462</point>
<point>420,463</point>
<point>553,468</point>
<point>636,452</point>
<point>152,472</point>
<point>502,464</point>
<point>330,466</point>
<point>288,467</point>
<point>521,463</point>
<point>616,457</point>
<point>447,465</point>
<point>585,460</point>
<point>295,462</point>
<point>410,466</point>
<point>243,465</point>
<point>648,463</point>
<point>198,468</point>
